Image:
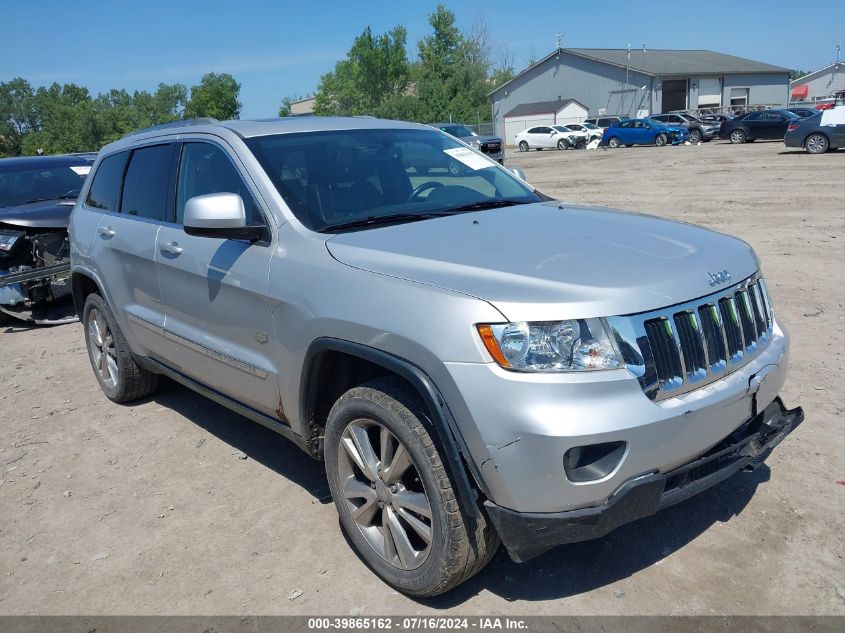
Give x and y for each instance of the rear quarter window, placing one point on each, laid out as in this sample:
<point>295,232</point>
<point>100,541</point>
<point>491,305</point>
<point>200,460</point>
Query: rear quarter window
<point>105,188</point>
<point>147,183</point>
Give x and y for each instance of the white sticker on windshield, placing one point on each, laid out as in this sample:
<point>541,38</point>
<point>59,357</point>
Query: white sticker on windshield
<point>469,158</point>
<point>82,170</point>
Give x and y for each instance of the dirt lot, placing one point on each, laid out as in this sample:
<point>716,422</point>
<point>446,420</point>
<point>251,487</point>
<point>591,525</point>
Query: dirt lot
<point>176,506</point>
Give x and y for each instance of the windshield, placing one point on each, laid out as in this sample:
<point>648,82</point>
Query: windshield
<point>562,128</point>
<point>788,114</point>
<point>336,177</point>
<point>591,126</point>
<point>458,130</point>
<point>31,184</point>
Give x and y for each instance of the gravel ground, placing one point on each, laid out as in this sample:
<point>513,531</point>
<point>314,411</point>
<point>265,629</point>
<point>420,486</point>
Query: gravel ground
<point>177,506</point>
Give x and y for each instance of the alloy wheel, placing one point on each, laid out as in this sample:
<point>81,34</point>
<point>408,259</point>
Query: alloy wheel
<point>101,348</point>
<point>737,136</point>
<point>816,144</point>
<point>384,494</point>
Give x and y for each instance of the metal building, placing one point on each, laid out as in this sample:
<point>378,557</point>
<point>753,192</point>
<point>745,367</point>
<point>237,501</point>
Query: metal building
<point>639,82</point>
<point>819,85</point>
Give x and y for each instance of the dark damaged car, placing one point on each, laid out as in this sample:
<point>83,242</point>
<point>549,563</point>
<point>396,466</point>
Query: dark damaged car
<point>37,195</point>
<point>491,146</point>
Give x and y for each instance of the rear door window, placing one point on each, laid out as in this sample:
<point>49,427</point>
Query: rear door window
<point>147,183</point>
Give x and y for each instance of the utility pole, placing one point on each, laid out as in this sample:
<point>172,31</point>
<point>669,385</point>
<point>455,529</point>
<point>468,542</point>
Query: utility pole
<point>559,39</point>
<point>627,64</point>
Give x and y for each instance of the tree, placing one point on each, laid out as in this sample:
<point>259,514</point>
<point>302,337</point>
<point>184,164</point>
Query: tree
<point>453,76</point>
<point>284,109</point>
<point>797,74</point>
<point>17,115</point>
<point>216,96</point>
<point>375,72</point>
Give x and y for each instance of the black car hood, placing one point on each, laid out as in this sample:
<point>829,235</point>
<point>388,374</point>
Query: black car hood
<point>49,214</point>
<point>482,138</point>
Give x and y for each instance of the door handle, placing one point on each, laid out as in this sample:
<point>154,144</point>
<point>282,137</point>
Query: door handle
<point>171,247</point>
<point>105,231</point>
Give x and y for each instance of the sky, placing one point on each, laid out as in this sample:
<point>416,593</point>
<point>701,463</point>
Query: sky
<point>278,49</point>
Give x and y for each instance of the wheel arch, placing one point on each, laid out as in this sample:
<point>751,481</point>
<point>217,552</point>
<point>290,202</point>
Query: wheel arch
<point>814,133</point>
<point>83,282</point>
<point>332,366</point>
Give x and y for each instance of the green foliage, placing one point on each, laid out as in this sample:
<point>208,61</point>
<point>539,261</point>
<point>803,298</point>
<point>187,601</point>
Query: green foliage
<point>60,119</point>
<point>216,96</point>
<point>376,71</point>
<point>451,78</point>
<point>797,74</point>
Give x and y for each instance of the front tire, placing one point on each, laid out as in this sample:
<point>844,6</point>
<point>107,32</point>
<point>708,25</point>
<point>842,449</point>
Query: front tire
<point>120,377</point>
<point>523,146</point>
<point>817,144</point>
<point>737,137</point>
<point>695,136</point>
<point>561,144</point>
<point>660,140</point>
<point>394,495</point>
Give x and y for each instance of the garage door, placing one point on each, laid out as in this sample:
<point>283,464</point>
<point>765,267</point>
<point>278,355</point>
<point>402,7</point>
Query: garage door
<point>674,94</point>
<point>709,93</point>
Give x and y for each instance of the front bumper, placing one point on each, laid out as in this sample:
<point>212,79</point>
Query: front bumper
<point>526,535</point>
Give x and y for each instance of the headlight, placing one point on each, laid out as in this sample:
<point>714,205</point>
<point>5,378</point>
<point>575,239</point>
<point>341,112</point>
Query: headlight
<point>552,346</point>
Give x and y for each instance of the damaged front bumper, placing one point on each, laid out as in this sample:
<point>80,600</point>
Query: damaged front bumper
<point>526,535</point>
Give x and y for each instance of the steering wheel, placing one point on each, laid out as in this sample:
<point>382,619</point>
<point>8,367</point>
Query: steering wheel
<point>429,184</point>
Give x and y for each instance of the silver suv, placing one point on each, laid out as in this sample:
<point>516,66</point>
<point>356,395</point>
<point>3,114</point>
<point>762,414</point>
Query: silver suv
<point>475,362</point>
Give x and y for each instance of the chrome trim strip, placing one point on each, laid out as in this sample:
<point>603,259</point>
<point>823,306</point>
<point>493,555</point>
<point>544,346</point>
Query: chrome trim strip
<point>218,356</point>
<point>632,339</point>
<point>197,347</point>
<point>144,323</point>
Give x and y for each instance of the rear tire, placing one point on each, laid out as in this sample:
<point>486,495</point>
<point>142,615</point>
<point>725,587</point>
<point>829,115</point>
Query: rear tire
<point>120,377</point>
<point>737,137</point>
<point>614,142</point>
<point>367,428</point>
<point>523,146</point>
<point>660,140</point>
<point>816,144</point>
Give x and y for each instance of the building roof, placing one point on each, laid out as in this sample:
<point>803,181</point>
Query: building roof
<point>833,68</point>
<point>665,62</point>
<point>543,107</point>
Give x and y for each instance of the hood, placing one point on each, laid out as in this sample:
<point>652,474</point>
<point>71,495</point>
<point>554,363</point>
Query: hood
<point>50,214</point>
<point>547,261</point>
<point>482,138</point>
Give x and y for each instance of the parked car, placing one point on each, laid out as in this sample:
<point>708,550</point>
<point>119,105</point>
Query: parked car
<point>592,131</point>
<point>819,133</point>
<point>472,361</point>
<point>604,122</point>
<point>716,119</point>
<point>571,139</point>
<point>632,132</point>
<point>541,137</point>
<point>492,146</point>
<point>697,130</point>
<point>36,197</point>
<point>762,124</point>
<point>804,113</point>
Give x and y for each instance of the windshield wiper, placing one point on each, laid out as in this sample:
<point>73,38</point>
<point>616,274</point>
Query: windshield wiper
<point>374,220</point>
<point>65,196</point>
<point>481,205</point>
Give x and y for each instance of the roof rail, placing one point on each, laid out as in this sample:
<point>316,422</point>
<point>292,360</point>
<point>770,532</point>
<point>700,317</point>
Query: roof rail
<point>179,123</point>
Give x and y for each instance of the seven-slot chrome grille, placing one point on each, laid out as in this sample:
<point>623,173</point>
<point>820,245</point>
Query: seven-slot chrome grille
<point>683,347</point>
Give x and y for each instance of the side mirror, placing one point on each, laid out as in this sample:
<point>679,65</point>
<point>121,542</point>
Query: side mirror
<point>516,171</point>
<point>220,215</point>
